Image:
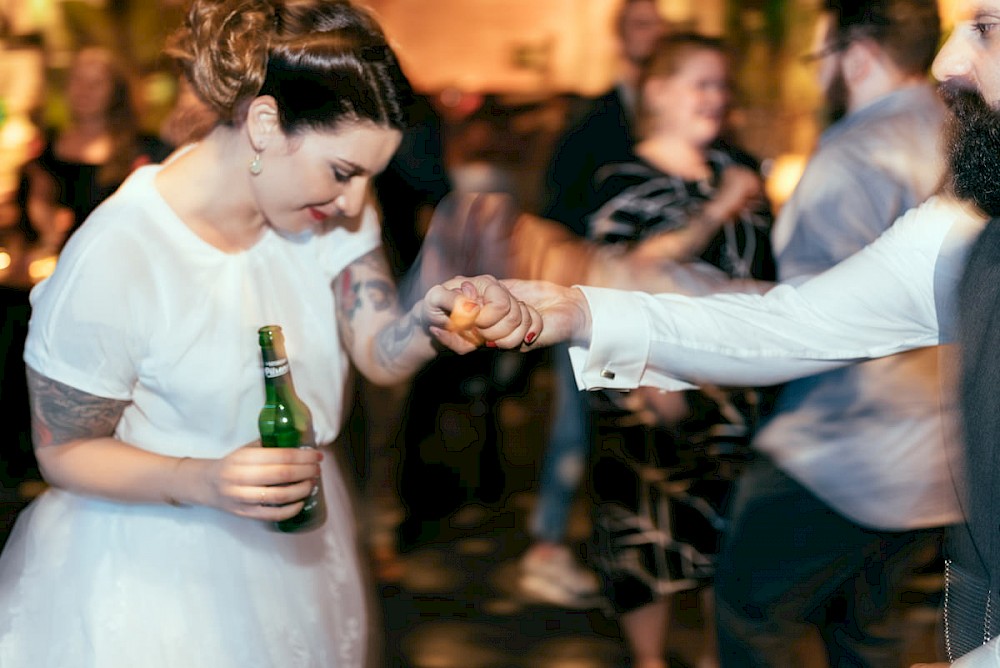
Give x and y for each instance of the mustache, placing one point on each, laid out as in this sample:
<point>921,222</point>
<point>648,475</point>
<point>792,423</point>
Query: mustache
<point>962,100</point>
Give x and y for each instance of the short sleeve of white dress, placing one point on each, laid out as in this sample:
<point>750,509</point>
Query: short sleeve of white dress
<point>87,328</point>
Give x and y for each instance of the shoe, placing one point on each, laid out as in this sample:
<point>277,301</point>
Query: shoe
<point>551,574</point>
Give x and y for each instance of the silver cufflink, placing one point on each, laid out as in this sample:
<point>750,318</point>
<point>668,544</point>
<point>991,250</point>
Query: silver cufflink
<point>608,374</point>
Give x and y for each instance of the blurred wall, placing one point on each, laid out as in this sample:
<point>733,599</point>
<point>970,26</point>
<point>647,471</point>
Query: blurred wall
<point>519,46</point>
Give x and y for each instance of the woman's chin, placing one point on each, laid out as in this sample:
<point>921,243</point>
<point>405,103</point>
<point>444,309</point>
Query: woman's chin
<point>300,236</point>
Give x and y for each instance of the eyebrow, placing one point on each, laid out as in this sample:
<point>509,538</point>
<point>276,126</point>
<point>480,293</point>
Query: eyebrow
<point>981,10</point>
<point>352,167</point>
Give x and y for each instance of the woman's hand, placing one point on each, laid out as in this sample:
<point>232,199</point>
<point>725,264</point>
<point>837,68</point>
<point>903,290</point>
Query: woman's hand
<point>268,484</point>
<point>739,188</point>
<point>464,313</point>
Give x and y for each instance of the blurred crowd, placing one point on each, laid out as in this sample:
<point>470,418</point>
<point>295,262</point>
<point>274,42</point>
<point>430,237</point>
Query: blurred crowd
<point>805,505</point>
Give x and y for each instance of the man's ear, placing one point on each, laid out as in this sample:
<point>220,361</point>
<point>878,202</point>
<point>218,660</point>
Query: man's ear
<point>858,59</point>
<point>262,122</point>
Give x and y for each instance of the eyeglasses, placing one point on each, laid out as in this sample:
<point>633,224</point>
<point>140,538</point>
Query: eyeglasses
<point>828,50</point>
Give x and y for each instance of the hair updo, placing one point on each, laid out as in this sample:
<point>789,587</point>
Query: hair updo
<point>325,62</point>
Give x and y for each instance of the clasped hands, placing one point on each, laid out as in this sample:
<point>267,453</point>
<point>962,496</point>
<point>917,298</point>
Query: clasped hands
<point>515,314</point>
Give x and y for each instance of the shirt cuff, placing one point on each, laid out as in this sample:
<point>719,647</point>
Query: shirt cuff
<point>619,341</point>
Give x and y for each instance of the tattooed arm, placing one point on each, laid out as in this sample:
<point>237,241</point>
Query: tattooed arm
<point>73,434</point>
<point>388,346</point>
<point>385,344</point>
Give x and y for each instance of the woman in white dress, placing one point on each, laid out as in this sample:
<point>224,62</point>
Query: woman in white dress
<point>153,545</point>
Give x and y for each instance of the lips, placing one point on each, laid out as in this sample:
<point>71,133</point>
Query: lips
<point>317,215</point>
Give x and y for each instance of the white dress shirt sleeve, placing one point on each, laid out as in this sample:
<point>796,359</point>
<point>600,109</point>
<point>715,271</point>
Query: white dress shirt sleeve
<point>878,302</point>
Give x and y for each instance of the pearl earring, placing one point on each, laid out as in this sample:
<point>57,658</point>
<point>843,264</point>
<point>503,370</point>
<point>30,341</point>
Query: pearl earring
<point>255,166</point>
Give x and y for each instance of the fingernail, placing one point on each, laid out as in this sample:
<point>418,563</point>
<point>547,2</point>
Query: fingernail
<point>491,344</point>
<point>530,337</point>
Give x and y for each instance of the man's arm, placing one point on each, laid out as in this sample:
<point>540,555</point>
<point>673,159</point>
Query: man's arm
<point>880,301</point>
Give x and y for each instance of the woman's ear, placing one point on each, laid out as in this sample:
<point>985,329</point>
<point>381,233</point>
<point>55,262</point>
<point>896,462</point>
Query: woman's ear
<point>262,122</point>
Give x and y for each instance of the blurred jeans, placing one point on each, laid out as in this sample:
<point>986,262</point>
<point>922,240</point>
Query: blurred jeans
<point>566,454</point>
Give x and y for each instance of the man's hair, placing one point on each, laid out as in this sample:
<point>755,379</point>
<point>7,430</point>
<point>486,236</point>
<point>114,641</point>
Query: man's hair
<point>908,31</point>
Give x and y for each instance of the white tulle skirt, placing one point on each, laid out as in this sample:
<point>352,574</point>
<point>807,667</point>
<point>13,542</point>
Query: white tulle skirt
<point>89,583</point>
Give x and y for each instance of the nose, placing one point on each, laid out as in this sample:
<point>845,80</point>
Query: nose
<point>352,198</point>
<point>953,60</point>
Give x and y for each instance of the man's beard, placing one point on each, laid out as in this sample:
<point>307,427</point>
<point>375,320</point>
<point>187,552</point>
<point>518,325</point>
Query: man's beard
<point>973,136</point>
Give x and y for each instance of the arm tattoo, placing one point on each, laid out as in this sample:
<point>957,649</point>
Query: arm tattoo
<point>60,413</point>
<point>356,288</point>
<point>393,340</point>
<point>365,285</point>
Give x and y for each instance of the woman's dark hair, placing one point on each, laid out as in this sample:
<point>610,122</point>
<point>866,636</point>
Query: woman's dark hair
<point>325,62</point>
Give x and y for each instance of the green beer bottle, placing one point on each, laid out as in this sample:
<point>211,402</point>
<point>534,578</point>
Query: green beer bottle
<point>285,422</point>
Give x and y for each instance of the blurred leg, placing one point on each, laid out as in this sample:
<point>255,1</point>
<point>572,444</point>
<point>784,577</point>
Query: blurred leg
<point>784,555</point>
<point>869,635</point>
<point>645,631</point>
<point>550,570</point>
<point>566,453</point>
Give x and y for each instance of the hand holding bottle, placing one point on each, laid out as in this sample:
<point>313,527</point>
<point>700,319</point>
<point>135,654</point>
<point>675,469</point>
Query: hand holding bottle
<point>269,484</point>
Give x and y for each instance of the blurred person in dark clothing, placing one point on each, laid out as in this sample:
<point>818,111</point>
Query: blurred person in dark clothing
<point>601,133</point>
<point>604,131</point>
<point>80,165</point>
<point>413,184</point>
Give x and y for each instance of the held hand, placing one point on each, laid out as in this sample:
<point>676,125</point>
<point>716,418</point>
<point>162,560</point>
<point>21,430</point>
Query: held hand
<point>564,311</point>
<point>464,313</point>
<point>268,484</point>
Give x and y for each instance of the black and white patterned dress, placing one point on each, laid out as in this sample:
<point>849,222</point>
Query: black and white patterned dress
<point>660,493</point>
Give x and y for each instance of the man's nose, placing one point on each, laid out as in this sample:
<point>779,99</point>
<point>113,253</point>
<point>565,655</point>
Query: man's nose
<point>953,60</point>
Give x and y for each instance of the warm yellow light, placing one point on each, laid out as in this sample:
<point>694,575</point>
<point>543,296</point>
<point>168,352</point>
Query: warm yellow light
<point>42,268</point>
<point>783,176</point>
<point>4,259</point>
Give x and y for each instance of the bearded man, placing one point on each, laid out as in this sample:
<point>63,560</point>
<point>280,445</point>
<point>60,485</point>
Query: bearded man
<point>933,277</point>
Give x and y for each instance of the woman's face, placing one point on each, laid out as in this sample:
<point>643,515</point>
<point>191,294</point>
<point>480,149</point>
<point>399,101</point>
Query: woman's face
<point>90,85</point>
<point>694,100</point>
<point>312,178</point>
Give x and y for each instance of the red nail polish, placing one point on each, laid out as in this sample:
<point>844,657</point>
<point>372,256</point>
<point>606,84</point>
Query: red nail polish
<point>491,344</point>
<point>530,337</point>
